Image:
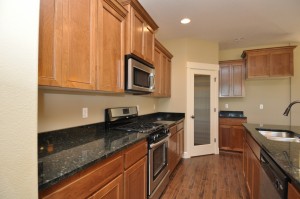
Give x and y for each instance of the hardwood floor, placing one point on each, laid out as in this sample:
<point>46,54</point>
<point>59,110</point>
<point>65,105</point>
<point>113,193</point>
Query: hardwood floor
<point>211,176</point>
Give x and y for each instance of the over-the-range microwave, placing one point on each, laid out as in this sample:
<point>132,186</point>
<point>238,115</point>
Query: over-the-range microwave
<point>139,75</point>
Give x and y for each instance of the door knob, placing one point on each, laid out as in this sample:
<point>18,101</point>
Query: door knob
<point>192,116</point>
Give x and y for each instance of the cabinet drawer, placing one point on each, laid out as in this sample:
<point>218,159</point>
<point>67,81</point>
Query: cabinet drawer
<point>180,126</point>
<point>133,154</point>
<point>84,184</point>
<point>173,130</point>
<point>232,121</point>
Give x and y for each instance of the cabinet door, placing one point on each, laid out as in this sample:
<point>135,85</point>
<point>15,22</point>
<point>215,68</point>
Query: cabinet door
<point>258,64</point>
<point>249,168</point>
<point>293,192</point>
<point>50,42</point>
<point>238,77</point>
<point>135,180</point>
<point>168,78</point>
<point>180,144</point>
<point>281,63</point>
<point>224,90</point>
<point>224,136</point>
<point>114,190</point>
<point>79,44</point>
<point>236,138</point>
<point>172,150</point>
<point>158,72</point>
<point>110,70</point>
<point>255,178</point>
<point>148,44</point>
<point>137,34</point>
<point>245,151</point>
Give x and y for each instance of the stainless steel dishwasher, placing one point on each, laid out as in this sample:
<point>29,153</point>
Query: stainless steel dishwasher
<point>273,182</point>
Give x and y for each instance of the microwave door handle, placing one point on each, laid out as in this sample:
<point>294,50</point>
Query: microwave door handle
<point>152,80</point>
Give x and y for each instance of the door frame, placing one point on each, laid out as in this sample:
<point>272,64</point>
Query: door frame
<point>213,68</point>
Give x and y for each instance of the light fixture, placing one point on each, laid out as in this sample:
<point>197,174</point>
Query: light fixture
<point>185,21</point>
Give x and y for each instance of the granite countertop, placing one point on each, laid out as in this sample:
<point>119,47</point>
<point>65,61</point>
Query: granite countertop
<point>63,153</point>
<point>232,114</point>
<point>289,163</point>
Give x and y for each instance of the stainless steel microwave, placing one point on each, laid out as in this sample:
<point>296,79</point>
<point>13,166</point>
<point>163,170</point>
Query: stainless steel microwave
<point>139,76</point>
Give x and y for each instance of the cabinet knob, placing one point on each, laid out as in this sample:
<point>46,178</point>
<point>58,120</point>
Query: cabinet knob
<point>192,116</point>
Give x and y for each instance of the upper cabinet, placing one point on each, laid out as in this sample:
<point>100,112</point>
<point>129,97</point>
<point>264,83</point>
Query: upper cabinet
<point>140,29</point>
<point>232,77</point>
<point>269,62</point>
<point>162,64</point>
<point>82,44</point>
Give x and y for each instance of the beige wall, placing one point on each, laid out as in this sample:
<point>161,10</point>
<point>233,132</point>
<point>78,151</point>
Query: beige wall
<point>295,88</point>
<point>184,50</point>
<point>18,118</point>
<point>63,109</point>
<point>274,94</point>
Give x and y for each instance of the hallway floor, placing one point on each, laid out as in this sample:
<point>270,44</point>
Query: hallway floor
<point>207,177</point>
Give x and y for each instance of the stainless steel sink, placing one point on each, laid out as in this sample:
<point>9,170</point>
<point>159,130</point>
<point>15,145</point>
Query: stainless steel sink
<point>279,135</point>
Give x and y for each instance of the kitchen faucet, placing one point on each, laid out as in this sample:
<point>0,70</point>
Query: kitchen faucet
<point>288,109</point>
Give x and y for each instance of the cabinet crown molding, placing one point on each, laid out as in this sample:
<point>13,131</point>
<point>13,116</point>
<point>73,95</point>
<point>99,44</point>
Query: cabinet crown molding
<point>117,6</point>
<point>244,54</point>
<point>141,10</point>
<point>163,49</point>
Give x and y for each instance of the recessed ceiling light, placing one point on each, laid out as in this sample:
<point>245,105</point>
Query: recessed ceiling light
<point>185,21</point>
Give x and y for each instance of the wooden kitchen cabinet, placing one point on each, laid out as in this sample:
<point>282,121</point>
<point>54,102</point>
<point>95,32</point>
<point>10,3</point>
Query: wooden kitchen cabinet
<point>269,62</point>
<point>175,149</point>
<point>136,180</point>
<point>111,42</point>
<point>114,189</point>
<point>251,166</point>
<point>232,78</point>
<point>293,193</point>
<point>162,64</point>
<point>140,30</point>
<point>82,44</point>
<point>135,174</point>
<point>124,175</point>
<point>231,134</point>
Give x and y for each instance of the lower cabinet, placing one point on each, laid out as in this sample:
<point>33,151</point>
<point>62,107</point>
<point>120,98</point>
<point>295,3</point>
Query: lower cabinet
<point>135,180</point>
<point>231,134</point>
<point>175,149</point>
<point>251,167</point>
<point>293,193</point>
<point>114,189</point>
<point>123,175</point>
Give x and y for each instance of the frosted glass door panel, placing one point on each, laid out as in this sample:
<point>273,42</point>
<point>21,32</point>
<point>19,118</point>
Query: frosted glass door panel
<point>202,109</point>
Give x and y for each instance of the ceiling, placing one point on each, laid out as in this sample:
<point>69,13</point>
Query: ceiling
<point>232,23</point>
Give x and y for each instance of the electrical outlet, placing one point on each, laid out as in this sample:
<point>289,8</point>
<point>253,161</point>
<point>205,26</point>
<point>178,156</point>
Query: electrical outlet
<point>138,108</point>
<point>154,107</point>
<point>85,112</point>
<point>226,106</point>
<point>261,106</point>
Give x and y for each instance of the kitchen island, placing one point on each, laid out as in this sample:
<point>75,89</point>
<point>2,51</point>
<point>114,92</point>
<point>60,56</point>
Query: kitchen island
<point>285,154</point>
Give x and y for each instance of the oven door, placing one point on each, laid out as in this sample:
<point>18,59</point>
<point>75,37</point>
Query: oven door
<point>139,77</point>
<point>158,163</point>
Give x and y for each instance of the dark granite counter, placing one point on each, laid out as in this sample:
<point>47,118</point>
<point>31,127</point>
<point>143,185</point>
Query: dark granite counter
<point>232,114</point>
<point>285,154</point>
<point>63,153</point>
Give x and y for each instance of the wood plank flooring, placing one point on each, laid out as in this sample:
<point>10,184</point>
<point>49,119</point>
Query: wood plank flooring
<point>211,176</point>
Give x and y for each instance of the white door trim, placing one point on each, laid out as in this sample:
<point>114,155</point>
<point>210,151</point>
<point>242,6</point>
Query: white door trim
<point>206,69</point>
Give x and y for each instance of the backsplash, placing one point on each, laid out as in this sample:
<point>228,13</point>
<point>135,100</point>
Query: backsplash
<point>63,109</point>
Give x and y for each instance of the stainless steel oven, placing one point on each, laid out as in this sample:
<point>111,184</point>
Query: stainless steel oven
<point>158,172</point>
<point>139,75</point>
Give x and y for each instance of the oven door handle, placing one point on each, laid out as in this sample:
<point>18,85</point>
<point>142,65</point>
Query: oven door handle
<point>160,142</point>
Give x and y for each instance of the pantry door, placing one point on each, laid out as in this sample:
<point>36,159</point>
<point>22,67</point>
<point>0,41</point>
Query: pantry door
<point>202,109</point>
